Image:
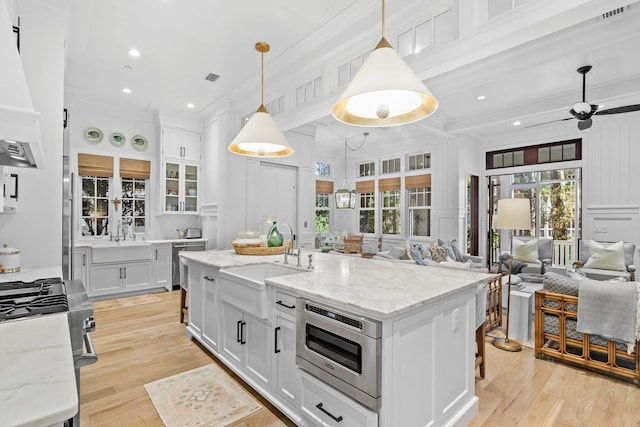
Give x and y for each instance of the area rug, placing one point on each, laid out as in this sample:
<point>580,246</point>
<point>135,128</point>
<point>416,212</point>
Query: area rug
<point>205,396</point>
<point>113,304</point>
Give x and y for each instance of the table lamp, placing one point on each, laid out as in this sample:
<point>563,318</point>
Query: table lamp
<point>513,214</point>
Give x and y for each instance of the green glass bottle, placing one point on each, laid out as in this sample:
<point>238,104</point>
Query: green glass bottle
<point>275,237</point>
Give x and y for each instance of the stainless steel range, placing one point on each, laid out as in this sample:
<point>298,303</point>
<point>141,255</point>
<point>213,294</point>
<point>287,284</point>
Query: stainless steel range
<point>53,295</point>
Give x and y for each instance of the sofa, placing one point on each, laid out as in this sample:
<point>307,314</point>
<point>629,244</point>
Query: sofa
<point>530,255</point>
<point>605,260</point>
<point>557,336</point>
<point>443,253</point>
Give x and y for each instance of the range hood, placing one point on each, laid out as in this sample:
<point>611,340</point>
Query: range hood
<point>20,137</point>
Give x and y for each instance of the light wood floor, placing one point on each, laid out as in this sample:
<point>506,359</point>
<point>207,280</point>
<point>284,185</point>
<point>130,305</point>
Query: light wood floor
<point>141,344</point>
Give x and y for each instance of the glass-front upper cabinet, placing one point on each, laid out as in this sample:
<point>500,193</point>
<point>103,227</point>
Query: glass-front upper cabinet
<point>181,188</point>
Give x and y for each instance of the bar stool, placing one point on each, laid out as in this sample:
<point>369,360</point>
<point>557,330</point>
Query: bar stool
<point>184,309</point>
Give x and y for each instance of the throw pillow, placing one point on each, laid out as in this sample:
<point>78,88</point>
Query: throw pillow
<point>454,249</point>
<point>438,253</point>
<point>416,254</point>
<point>609,258</point>
<point>407,248</point>
<point>526,251</point>
<point>559,284</point>
<point>397,252</point>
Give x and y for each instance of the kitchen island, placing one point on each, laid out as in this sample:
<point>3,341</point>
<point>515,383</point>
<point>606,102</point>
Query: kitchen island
<point>37,376</point>
<point>427,348</point>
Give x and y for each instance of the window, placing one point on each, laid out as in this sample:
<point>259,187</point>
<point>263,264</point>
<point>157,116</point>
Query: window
<point>95,206</point>
<point>367,169</point>
<point>391,165</point>
<point>419,161</point>
<point>561,151</point>
<point>324,193</point>
<point>391,212</point>
<point>323,169</point>
<point>420,211</point>
<point>419,204</point>
<point>367,212</point>
<point>322,213</point>
<point>134,204</point>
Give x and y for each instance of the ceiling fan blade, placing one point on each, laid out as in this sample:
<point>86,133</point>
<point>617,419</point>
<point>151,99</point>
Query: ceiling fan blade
<point>618,110</point>
<point>552,121</point>
<point>585,124</point>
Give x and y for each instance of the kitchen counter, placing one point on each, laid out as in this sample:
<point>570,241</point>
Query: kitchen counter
<point>37,377</point>
<point>105,243</point>
<point>376,288</point>
<point>38,383</point>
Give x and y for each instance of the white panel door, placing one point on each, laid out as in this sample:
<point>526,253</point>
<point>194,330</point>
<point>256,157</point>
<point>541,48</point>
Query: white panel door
<point>277,195</point>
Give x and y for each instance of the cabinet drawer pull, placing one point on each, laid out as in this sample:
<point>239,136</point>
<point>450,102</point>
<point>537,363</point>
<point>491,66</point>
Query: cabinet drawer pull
<point>275,341</point>
<point>291,307</point>
<point>211,279</point>
<point>125,272</point>
<point>120,273</point>
<point>336,419</point>
<point>238,329</point>
<point>242,325</point>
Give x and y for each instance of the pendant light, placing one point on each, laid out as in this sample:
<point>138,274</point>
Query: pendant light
<point>345,197</point>
<point>384,92</point>
<point>261,136</point>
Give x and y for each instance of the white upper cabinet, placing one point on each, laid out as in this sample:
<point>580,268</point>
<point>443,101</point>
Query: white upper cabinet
<point>180,144</point>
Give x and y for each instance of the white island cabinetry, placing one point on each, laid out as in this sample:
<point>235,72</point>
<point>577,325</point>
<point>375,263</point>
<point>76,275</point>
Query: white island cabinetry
<point>427,344</point>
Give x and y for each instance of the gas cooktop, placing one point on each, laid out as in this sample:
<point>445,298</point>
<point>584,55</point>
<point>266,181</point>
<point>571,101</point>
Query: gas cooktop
<point>23,299</point>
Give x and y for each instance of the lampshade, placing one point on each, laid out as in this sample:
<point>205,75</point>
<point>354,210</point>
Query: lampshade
<point>513,214</point>
<point>384,92</point>
<point>261,136</point>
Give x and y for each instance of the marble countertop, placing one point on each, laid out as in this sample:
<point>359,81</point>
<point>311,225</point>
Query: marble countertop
<point>105,243</point>
<point>31,274</point>
<point>376,288</point>
<point>38,382</point>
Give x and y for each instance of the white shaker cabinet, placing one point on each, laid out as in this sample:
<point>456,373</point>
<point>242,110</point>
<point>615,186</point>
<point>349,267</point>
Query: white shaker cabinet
<point>81,265</point>
<point>162,265</point>
<point>246,343</point>
<point>211,314</point>
<point>180,144</point>
<point>286,374</point>
<point>180,189</point>
<point>106,279</point>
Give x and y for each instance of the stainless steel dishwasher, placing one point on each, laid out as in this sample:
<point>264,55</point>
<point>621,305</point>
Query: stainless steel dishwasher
<point>176,248</point>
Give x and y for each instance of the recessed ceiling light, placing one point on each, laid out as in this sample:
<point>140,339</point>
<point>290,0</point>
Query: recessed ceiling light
<point>126,90</point>
<point>481,97</point>
<point>134,52</point>
<point>517,123</point>
<point>190,105</point>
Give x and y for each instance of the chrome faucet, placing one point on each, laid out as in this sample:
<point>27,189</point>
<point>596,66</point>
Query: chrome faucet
<point>287,250</point>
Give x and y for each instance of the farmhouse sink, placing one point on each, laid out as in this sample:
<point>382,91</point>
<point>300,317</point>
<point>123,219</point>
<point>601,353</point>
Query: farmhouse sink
<point>256,274</point>
<point>245,288</point>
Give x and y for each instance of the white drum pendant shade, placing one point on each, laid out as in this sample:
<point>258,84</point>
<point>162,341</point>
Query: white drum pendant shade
<point>261,137</point>
<point>384,92</point>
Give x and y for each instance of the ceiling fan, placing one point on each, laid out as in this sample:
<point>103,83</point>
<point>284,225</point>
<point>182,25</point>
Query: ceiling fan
<point>583,111</point>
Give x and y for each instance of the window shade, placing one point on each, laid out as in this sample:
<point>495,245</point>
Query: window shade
<point>388,184</point>
<point>94,165</point>
<point>417,181</point>
<point>365,186</point>
<point>324,187</point>
<point>131,168</point>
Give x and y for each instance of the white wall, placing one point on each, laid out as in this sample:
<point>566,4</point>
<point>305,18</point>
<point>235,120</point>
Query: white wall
<point>37,227</point>
<point>83,115</point>
<point>610,149</point>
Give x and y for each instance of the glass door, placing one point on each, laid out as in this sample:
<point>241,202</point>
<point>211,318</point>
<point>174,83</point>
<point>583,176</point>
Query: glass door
<point>172,187</point>
<point>191,190</point>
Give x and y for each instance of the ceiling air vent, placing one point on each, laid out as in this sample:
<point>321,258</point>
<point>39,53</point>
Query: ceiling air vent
<point>211,77</point>
<point>614,12</point>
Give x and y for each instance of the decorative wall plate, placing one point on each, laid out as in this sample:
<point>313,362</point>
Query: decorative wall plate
<point>93,135</point>
<point>117,139</point>
<point>139,142</point>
